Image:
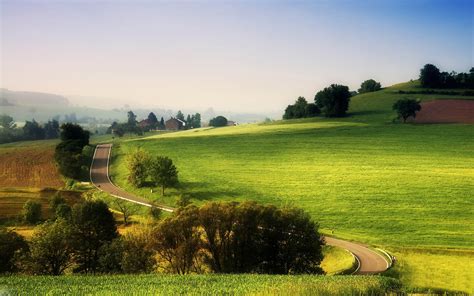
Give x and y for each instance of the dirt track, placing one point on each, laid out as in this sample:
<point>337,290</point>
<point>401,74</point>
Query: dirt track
<point>446,111</point>
<point>370,261</point>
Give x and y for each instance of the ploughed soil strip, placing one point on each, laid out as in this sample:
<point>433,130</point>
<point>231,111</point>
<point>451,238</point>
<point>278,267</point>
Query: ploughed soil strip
<point>446,111</point>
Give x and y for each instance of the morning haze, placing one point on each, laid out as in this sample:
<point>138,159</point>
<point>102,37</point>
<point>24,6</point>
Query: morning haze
<point>236,55</point>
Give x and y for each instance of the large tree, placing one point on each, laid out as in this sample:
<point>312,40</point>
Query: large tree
<point>369,86</point>
<point>406,108</point>
<point>94,226</point>
<point>68,153</point>
<point>333,100</point>
<point>163,172</point>
<point>430,76</point>
<point>51,249</point>
<point>152,120</point>
<point>138,163</point>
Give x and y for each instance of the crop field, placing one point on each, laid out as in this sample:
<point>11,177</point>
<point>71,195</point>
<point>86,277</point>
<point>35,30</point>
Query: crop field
<point>361,177</point>
<point>198,285</point>
<point>29,164</point>
<point>13,199</point>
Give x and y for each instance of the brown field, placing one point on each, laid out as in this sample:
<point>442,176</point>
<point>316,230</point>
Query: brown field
<point>13,199</point>
<point>446,111</point>
<point>31,167</point>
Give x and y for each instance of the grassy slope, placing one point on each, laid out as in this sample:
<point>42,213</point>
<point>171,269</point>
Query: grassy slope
<point>362,176</point>
<point>197,285</point>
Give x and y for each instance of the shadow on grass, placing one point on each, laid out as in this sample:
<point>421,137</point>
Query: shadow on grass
<point>204,191</point>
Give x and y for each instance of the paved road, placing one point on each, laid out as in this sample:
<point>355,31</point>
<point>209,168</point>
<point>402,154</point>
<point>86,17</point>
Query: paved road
<point>370,262</point>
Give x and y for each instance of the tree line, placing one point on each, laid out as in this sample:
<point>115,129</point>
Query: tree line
<point>432,77</point>
<point>217,237</point>
<point>69,152</point>
<point>32,130</point>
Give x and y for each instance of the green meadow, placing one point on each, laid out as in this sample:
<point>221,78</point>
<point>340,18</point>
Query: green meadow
<point>363,177</point>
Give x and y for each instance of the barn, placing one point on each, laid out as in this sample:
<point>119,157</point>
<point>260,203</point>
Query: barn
<point>174,124</point>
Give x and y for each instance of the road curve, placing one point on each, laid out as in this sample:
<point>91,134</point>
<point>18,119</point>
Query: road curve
<point>369,261</point>
<point>99,174</point>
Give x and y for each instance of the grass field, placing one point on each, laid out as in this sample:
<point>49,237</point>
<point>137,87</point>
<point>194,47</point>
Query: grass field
<point>337,260</point>
<point>198,285</point>
<point>363,177</point>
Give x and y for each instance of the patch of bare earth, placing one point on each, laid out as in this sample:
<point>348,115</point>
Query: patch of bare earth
<point>446,111</point>
<point>33,167</point>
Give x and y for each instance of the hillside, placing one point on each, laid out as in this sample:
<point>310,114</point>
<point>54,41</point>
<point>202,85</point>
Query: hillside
<point>402,186</point>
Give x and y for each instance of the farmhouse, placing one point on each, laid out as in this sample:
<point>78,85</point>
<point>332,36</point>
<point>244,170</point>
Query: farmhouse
<point>145,124</point>
<point>174,124</point>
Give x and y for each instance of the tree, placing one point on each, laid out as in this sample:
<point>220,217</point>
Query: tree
<point>138,163</point>
<point>93,226</point>
<point>10,244</point>
<point>110,256</point>
<point>7,122</point>
<point>50,248</point>
<point>153,121</point>
<point>131,120</point>
<point>406,108</point>
<point>126,208</point>
<point>31,212</point>
<point>177,240</point>
<point>180,115</point>
<point>189,122</point>
<point>68,153</point>
<point>33,131</point>
<point>333,100</point>
<point>138,253</point>
<point>369,86</point>
<point>162,124</point>
<point>197,120</point>
<point>74,132</point>
<point>218,121</point>
<point>51,129</point>
<point>163,172</point>
<point>430,76</point>
<point>311,110</point>
<point>155,213</point>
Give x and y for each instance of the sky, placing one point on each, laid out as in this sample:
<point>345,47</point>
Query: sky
<point>242,56</point>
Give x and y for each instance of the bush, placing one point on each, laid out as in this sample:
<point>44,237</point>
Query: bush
<point>138,167</point>
<point>31,212</point>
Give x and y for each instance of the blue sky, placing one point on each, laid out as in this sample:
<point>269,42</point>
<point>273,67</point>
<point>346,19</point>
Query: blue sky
<point>231,55</point>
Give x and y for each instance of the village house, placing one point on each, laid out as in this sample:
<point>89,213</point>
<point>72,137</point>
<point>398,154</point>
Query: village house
<point>174,124</point>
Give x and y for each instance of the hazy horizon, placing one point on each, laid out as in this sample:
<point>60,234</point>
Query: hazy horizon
<point>236,55</point>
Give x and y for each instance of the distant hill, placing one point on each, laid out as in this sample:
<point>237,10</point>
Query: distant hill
<point>27,98</point>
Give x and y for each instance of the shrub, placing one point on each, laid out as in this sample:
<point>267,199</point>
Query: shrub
<point>31,212</point>
<point>10,244</point>
<point>218,121</point>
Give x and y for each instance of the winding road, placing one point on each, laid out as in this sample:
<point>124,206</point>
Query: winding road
<point>369,261</point>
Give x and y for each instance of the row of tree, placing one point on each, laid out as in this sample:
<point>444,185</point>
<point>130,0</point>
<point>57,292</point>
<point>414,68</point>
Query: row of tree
<point>192,121</point>
<point>217,237</point>
<point>144,169</point>
<point>432,77</point>
<point>32,130</point>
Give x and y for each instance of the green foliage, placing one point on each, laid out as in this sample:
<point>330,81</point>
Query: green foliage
<point>10,244</point>
<point>138,254</point>
<point>430,76</point>
<point>333,100</point>
<point>163,172</point>
<point>369,86</point>
<point>31,212</point>
<point>51,249</point>
<point>94,226</point>
<point>239,238</point>
<point>301,109</point>
<point>138,164</point>
<point>155,213</point>
<point>63,211</point>
<point>218,121</point>
<point>406,108</point>
<point>33,131</point>
<point>152,120</point>
<point>131,119</point>
<point>68,153</point>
